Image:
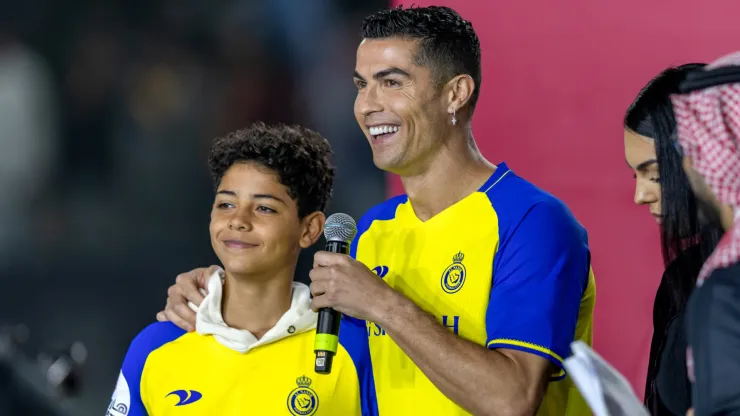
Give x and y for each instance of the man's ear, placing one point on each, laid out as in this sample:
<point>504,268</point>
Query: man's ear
<point>313,226</point>
<point>459,91</point>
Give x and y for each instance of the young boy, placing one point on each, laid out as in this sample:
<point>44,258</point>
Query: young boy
<point>255,329</point>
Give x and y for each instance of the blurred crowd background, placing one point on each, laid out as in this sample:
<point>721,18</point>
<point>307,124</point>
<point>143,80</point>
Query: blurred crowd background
<point>107,112</point>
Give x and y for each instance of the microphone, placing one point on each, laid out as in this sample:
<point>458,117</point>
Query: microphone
<point>339,231</point>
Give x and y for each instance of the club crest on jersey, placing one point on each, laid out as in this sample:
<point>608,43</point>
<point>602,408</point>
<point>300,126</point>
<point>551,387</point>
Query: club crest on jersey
<point>303,400</point>
<point>453,277</point>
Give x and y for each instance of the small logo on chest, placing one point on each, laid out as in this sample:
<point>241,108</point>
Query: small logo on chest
<point>303,401</point>
<point>381,271</point>
<point>186,396</point>
<point>453,277</point>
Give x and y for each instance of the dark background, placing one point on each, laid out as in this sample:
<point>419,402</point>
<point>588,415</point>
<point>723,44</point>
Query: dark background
<point>107,111</point>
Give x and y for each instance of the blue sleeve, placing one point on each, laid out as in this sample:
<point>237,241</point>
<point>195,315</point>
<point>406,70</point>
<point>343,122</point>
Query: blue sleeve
<point>353,337</point>
<point>362,226</point>
<point>353,333</point>
<point>127,399</point>
<point>540,273</point>
<point>380,212</point>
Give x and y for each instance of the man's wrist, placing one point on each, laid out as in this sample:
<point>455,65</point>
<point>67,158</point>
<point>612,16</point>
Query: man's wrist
<point>394,309</point>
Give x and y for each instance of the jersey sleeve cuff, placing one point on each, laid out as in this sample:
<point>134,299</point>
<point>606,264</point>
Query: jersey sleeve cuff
<point>535,349</point>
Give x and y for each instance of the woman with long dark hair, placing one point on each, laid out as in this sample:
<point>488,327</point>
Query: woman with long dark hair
<point>686,240</point>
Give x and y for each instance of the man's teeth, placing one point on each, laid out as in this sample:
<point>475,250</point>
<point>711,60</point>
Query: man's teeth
<point>378,130</point>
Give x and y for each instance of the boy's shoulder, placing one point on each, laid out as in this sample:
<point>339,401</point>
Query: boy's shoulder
<point>151,338</point>
<point>126,396</point>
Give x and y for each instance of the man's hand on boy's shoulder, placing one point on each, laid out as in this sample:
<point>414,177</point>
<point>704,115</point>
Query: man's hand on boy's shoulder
<point>187,288</point>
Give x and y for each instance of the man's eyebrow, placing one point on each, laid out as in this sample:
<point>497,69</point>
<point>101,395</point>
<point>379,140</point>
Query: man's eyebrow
<point>390,71</point>
<point>384,73</point>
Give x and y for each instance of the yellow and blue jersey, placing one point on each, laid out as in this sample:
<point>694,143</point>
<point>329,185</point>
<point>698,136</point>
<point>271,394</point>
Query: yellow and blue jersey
<point>506,267</point>
<point>170,372</point>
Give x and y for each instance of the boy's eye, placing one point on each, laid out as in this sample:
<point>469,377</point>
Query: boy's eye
<point>263,208</point>
<point>224,205</point>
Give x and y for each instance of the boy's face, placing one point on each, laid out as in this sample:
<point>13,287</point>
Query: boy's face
<point>255,229</point>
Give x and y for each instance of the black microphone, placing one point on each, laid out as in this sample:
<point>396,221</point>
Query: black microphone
<point>339,231</point>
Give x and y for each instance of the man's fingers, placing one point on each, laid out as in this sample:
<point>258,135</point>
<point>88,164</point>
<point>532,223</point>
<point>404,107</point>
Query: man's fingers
<point>180,315</point>
<point>161,317</point>
<point>317,288</point>
<point>207,273</point>
<point>181,323</point>
<point>316,260</point>
<point>325,259</point>
<point>186,289</point>
<point>319,302</point>
<point>315,273</point>
<point>193,294</point>
<point>184,312</point>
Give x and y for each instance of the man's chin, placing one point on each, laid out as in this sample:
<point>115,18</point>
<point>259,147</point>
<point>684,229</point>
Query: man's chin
<point>395,163</point>
<point>386,165</point>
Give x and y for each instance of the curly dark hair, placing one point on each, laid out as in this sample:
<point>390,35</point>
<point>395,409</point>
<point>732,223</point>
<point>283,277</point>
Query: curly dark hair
<point>299,156</point>
<point>448,44</point>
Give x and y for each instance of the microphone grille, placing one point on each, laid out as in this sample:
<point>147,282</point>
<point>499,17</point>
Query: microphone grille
<point>340,227</point>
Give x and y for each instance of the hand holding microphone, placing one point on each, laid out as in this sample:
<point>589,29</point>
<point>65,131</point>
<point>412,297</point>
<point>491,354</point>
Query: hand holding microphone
<point>339,231</point>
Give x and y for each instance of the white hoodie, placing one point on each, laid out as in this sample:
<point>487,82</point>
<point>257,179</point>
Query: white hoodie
<point>209,320</point>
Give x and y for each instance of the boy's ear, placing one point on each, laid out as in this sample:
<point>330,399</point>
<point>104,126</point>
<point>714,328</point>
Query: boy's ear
<point>313,226</point>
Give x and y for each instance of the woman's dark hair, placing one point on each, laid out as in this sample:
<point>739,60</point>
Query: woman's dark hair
<point>686,240</point>
<point>651,115</point>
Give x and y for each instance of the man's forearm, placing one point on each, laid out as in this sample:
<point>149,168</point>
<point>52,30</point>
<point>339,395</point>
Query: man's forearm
<point>501,387</point>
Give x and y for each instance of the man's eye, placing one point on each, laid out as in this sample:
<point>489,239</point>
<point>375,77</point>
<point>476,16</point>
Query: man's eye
<point>224,205</point>
<point>390,83</point>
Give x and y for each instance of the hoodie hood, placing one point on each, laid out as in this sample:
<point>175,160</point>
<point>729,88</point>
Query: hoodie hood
<point>209,320</point>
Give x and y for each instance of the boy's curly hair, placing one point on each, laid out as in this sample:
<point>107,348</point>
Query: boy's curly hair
<point>299,156</point>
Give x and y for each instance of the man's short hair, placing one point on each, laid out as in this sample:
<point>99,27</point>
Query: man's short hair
<point>448,45</point>
<point>300,157</point>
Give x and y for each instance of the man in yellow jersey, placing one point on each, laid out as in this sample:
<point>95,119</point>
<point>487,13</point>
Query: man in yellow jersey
<point>253,349</point>
<point>475,282</point>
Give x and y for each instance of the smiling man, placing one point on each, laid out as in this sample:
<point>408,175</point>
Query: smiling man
<point>255,329</point>
<point>488,276</point>
<point>475,282</point>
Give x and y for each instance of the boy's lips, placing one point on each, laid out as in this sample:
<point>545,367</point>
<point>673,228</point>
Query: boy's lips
<point>238,244</point>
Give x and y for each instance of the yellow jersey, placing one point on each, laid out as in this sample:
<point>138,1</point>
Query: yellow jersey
<point>168,371</point>
<point>506,267</point>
